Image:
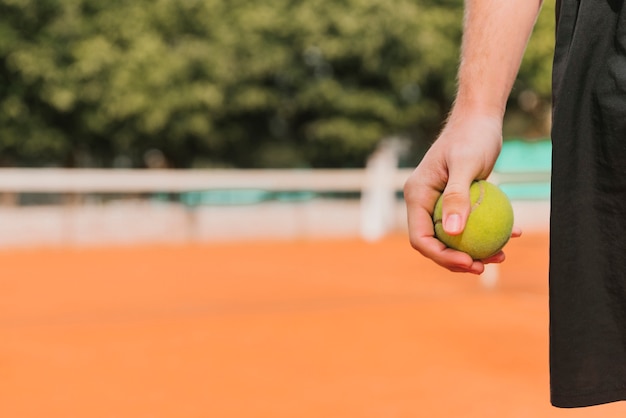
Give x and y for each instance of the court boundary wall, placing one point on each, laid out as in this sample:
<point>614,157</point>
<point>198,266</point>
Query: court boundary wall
<point>374,210</point>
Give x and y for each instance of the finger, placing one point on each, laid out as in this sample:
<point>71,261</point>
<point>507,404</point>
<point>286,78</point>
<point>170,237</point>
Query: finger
<point>499,257</point>
<point>516,233</point>
<point>455,261</point>
<point>422,238</point>
<point>456,201</point>
<point>477,267</point>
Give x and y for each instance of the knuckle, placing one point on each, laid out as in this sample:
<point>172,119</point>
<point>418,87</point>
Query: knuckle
<point>409,186</point>
<point>416,244</point>
<point>455,194</point>
<point>454,190</point>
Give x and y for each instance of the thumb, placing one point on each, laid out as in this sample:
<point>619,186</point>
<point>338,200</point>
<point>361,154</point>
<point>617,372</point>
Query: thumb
<point>456,205</point>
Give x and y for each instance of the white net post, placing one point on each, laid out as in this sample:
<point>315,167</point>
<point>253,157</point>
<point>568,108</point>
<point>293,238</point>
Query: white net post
<point>378,197</point>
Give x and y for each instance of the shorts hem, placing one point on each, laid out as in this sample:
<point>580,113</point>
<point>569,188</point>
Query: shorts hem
<point>590,399</point>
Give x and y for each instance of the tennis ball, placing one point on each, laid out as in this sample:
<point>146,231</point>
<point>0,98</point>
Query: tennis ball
<point>488,227</point>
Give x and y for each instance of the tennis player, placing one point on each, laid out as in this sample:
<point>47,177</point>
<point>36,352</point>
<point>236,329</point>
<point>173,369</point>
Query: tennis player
<point>588,199</point>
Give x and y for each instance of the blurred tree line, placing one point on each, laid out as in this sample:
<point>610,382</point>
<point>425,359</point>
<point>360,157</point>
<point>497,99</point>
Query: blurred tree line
<point>236,83</point>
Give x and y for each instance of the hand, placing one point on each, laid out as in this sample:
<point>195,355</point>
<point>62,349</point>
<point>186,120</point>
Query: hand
<point>465,151</point>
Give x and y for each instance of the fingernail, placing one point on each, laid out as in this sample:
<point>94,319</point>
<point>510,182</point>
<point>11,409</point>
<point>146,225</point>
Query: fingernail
<point>453,223</point>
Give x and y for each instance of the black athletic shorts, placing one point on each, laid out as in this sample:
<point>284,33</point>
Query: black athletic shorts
<point>588,213</point>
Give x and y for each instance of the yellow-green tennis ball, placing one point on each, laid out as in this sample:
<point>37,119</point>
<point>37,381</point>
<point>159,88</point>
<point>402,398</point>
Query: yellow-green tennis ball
<point>488,227</point>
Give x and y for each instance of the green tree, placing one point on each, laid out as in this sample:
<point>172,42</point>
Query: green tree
<point>529,112</point>
<point>243,83</point>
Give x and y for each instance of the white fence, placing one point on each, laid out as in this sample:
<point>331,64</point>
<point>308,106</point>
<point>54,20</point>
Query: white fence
<point>132,218</point>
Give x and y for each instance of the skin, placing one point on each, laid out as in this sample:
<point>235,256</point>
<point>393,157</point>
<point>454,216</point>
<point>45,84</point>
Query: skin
<point>495,36</point>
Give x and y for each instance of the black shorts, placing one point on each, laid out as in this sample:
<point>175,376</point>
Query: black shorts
<point>588,218</point>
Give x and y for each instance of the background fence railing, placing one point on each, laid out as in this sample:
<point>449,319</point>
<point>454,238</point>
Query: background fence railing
<point>109,206</point>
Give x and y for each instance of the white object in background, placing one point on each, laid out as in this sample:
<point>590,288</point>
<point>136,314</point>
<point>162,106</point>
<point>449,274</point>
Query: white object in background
<point>378,196</point>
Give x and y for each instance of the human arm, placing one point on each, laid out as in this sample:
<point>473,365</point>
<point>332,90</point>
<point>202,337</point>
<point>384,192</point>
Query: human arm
<point>494,39</point>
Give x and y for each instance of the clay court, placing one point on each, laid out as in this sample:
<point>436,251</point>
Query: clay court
<point>311,328</point>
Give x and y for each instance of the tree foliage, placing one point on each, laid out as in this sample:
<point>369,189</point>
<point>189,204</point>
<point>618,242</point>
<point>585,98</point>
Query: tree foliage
<point>244,83</point>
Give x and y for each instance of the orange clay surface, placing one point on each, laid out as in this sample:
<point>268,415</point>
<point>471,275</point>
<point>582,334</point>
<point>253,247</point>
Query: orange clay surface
<point>328,328</point>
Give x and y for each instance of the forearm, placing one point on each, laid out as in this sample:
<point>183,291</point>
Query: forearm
<point>495,36</point>
<point>494,40</point>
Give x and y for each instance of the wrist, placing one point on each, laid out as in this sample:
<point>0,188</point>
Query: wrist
<point>479,107</point>
<point>491,116</point>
